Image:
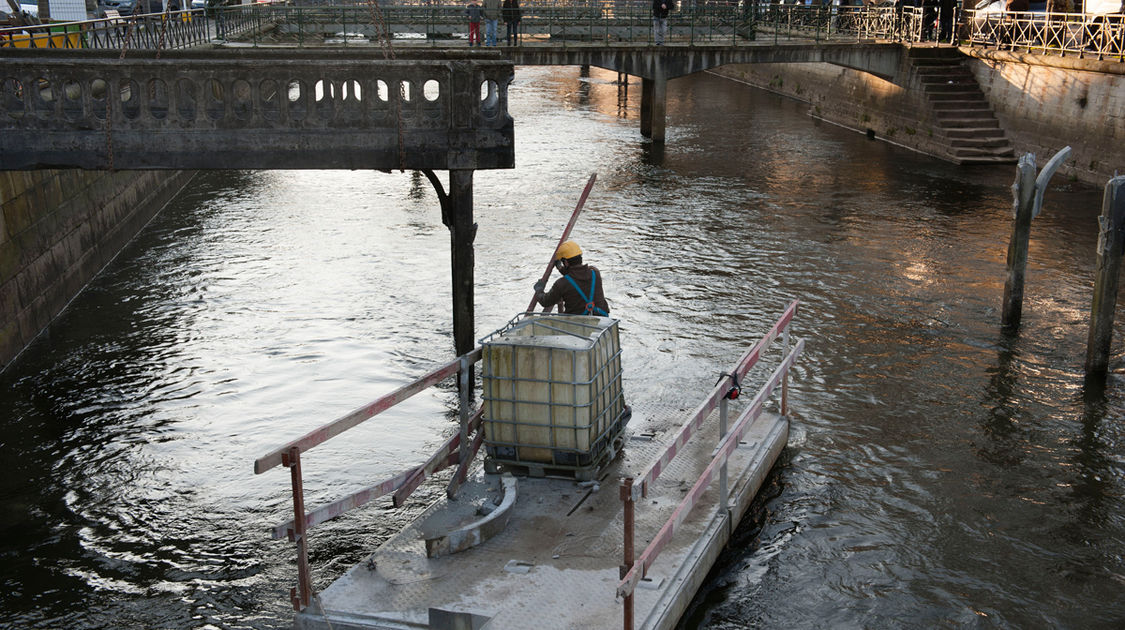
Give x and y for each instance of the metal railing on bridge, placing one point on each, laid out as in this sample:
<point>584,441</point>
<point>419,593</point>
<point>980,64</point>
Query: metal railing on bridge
<point>410,23</point>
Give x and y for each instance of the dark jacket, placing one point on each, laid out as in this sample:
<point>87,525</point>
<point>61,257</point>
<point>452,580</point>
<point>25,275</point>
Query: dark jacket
<point>511,11</point>
<point>564,292</point>
<point>660,8</point>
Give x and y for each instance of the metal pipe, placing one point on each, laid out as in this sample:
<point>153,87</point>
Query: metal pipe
<point>723,406</point>
<point>627,499</point>
<point>302,595</point>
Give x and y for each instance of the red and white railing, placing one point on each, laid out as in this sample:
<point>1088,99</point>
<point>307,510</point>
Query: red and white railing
<point>458,450</point>
<point>632,489</point>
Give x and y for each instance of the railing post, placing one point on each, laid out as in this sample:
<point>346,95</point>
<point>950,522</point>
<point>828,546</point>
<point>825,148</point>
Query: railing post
<point>300,596</point>
<point>785,378</point>
<point>629,505</point>
<point>723,405</point>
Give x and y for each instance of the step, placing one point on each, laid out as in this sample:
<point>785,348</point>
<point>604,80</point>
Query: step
<point>943,115</point>
<point>968,160</point>
<point>949,86</point>
<point>954,95</point>
<point>996,141</point>
<point>983,152</point>
<point>965,123</point>
<point>959,104</point>
<point>961,133</point>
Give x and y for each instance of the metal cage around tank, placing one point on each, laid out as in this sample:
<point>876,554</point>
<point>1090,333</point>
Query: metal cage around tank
<point>553,401</point>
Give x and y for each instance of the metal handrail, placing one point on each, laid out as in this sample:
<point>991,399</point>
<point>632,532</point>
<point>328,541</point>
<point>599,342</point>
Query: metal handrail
<point>632,489</point>
<point>181,29</point>
<point>606,21</point>
<point>458,450</point>
<point>1086,34</point>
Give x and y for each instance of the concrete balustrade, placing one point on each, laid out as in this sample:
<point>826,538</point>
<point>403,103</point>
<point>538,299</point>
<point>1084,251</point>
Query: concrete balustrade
<point>254,109</point>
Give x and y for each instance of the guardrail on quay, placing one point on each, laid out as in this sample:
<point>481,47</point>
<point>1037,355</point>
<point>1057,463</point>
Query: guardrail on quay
<point>606,22</point>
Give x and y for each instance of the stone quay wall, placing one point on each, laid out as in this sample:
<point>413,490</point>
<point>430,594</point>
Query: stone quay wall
<point>1043,104</point>
<point>58,229</point>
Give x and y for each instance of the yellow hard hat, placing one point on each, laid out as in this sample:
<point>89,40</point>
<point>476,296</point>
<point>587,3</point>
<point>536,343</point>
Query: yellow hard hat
<point>569,249</point>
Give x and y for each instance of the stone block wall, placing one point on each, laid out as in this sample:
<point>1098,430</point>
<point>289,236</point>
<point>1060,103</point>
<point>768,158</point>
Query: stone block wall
<point>58,229</point>
<point>850,98</point>
<point>1045,104</point>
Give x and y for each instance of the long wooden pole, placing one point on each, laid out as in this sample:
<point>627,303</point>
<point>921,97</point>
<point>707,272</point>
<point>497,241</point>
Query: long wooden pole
<point>565,235</point>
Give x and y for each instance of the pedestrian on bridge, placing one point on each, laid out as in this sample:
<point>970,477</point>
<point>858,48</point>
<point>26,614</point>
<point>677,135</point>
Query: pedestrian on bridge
<point>491,18</point>
<point>660,9</point>
<point>512,15</point>
<point>579,291</point>
<point>474,22</point>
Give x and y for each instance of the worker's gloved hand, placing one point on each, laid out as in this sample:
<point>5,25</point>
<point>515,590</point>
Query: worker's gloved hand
<point>539,286</point>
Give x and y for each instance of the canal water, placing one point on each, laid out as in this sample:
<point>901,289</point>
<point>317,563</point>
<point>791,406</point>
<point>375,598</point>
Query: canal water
<point>941,472</point>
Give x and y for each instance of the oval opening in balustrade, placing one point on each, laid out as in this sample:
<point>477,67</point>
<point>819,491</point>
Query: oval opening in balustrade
<point>431,95</point>
<point>130,94</point>
<point>11,96</point>
<point>405,90</point>
<point>327,93</point>
<point>431,90</point>
<point>158,98</point>
<point>298,100</point>
<point>214,101</point>
<point>241,99</point>
<point>384,90</point>
<point>98,89</point>
<point>44,95</point>
<point>271,100</point>
<point>72,106</point>
<point>489,98</point>
<point>352,90</point>
<point>186,101</point>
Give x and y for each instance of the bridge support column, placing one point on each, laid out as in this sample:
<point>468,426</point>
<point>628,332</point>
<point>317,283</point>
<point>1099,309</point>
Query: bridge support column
<point>653,96</point>
<point>462,233</point>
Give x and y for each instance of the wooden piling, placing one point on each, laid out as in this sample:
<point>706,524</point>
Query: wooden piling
<point>1023,191</point>
<point>1110,242</point>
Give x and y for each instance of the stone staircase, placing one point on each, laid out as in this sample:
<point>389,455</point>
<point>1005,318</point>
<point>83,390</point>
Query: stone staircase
<point>965,122</point>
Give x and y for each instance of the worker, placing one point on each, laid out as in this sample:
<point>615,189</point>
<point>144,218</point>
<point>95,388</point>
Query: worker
<point>579,290</point>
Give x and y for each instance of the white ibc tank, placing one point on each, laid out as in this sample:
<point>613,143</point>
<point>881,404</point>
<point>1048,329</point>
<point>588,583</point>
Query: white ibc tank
<point>552,390</point>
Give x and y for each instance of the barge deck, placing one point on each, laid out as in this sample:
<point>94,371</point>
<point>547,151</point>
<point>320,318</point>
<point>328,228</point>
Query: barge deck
<point>552,552</point>
<point>556,564</point>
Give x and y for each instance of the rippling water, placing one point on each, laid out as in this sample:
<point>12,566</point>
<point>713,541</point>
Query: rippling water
<point>941,472</point>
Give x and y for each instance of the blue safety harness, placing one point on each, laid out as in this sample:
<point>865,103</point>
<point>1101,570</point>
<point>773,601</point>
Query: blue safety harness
<point>591,309</point>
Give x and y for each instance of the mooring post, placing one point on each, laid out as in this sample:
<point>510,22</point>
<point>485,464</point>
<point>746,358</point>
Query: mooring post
<point>462,233</point>
<point>1110,241</point>
<point>1027,193</point>
<point>654,93</point>
<point>1023,191</point>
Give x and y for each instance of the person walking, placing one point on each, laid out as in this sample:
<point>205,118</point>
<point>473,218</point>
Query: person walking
<point>474,22</point>
<point>660,9</point>
<point>512,15</point>
<point>580,290</point>
<point>491,17</point>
